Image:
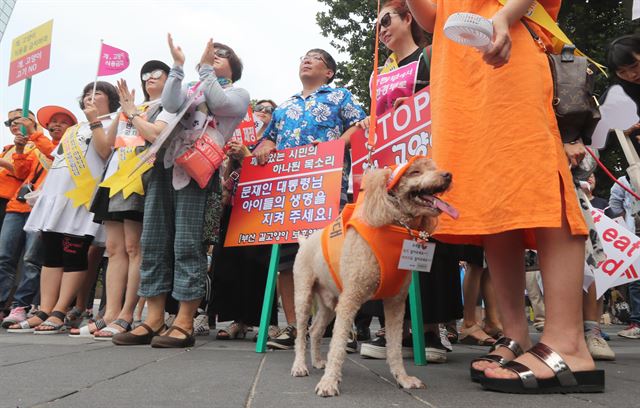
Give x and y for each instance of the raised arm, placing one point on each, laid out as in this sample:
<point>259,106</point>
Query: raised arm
<point>424,11</point>
<point>173,95</point>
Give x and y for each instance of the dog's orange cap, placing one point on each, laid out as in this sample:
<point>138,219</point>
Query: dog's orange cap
<point>398,170</point>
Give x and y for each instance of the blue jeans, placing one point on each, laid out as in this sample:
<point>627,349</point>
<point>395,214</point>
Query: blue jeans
<point>13,240</point>
<point>634,301</point>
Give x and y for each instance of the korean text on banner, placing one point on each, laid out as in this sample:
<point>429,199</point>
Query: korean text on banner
<point>395,84</point>
<point>296,193</point>
<point>112,60</point>
<point>400,134</point>
<point>622,248</point>
<point>30,53</point>
<point>246,132</point>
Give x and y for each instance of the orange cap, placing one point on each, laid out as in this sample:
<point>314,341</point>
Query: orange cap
<point>46,113</point>
<point>399,170</point>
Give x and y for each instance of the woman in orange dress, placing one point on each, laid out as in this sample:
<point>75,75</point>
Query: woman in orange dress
<point>494,128</point>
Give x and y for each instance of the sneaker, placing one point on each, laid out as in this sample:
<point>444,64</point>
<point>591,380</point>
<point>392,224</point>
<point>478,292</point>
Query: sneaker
<point>17,315</point>
<point>285,340</point>
<point>436,352</point>
<point>377,348</point>
<point>168,319</point>
<point>598,347</point>
<point>352,343</point>
<point>272,333</point>
<point>444,338</point>
<point>631,332</point>
<point>363,334</point>
<point>201,325</point>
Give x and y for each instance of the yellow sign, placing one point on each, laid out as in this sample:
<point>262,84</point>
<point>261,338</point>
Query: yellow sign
<point>32,40</point>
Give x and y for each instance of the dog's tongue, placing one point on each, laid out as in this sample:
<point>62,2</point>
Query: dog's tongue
<point>446,208</point>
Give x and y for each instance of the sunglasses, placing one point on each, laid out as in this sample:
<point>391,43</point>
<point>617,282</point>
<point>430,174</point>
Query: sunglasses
<point>153,74</point>
<point>385,21</point>
<point>264,108</point>
<point>9,122</point>
<point>222,53</point>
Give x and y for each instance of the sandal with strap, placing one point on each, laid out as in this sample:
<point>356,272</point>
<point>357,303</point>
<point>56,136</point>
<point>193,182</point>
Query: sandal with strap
<point>166,341</point>
<point>130,339</point>
<point>73,319</point>
<point>564,381</point>
<point>85,331</point>
<point>108,332</point>
<point>466,337</point>
<point>25,327</point>
<point>48,327</point>
<point>234,331</point>
<point>477,375</point>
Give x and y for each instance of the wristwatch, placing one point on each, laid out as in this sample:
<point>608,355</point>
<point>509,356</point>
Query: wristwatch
<point>132,115</point>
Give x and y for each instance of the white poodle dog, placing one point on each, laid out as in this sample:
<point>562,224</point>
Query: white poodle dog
<point>404,199</point>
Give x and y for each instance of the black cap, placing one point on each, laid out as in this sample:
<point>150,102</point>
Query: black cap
<point>151,66</point>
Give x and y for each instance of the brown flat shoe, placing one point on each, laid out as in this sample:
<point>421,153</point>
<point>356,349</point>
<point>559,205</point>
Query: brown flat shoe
<point>130,339</point>
<point>166,341</point>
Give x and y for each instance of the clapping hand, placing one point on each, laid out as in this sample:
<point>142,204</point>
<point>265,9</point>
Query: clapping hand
<point>127,98</point>
<point>208,56</point>
<point>176,52</point>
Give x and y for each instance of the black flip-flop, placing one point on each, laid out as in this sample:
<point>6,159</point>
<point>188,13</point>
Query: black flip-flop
<point>565,381</point>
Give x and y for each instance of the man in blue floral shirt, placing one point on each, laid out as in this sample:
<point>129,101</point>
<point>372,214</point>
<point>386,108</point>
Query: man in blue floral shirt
<point>319,113</point>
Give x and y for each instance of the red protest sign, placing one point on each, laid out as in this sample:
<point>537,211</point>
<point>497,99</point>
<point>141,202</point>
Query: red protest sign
<point>400,134</point>
<point>296,193</point>
<point>30,53</point>
<point>246,133</point>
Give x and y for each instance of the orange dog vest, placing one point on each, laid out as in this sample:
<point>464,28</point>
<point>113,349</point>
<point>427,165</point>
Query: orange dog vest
<point>385,242</point>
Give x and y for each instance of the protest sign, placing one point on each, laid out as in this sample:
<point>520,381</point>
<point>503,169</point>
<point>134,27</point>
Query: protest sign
<point>296,193</point>
<point>246,132</point>
<point>395,84</point>
<point>400,134</point>
<point>30,53</point>
<point>622,248</point>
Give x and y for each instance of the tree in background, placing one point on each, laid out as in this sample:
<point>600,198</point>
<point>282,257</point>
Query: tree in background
<point>591,24</point>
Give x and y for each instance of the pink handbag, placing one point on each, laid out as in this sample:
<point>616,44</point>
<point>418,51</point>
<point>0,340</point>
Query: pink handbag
<point>201,160</point>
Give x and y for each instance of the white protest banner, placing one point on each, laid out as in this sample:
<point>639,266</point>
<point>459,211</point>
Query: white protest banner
<point>621,247</point>
<point>618,112</point>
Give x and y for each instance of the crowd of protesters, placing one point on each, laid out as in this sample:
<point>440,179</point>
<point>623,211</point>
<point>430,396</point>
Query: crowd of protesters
<point>62,209</point>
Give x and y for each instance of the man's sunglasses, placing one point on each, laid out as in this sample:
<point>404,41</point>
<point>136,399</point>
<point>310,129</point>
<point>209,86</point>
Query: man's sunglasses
<point>153,74</point>
<point>9,122</point>
<point>264,108</point>
<point>385,21</point>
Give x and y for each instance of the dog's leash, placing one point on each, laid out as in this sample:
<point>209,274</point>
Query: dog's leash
<point>373,117</point>
<point>611,176</point>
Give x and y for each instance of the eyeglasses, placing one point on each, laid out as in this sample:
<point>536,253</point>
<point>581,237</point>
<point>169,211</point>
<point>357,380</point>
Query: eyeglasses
<point>153,74</point>
<point>222,53</point>
<point>313,57</point>
<point>264,108</point>
<point>385,21</point>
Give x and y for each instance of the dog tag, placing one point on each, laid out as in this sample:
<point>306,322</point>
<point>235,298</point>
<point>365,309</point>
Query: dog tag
<point>416,256</point>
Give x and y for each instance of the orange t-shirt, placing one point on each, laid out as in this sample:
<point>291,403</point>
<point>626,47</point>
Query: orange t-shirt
<point>29,164</point>
<point>9,183</point>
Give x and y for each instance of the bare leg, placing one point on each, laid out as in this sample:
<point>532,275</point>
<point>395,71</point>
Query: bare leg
<point>561,263</point>
<point>471,293</point>
<point>94,257</point>
<point>155,314</point>
<point>592,306</point>
<point>492,317</point>
<point>505,255</point>
<point>117,269</point>
<point>184,319</point>
<point>132,233</point>
<point>50,279</point>
<point>70,285</point>
<point>139,308</point>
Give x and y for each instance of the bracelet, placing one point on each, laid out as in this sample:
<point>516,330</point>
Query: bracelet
<point>95,125</point>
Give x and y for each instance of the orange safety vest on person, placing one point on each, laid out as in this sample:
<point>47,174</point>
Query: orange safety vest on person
<point>31,167</point>
<point>385,242</point>
<point>9,183</point>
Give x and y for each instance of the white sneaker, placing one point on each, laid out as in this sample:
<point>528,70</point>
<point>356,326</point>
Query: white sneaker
<point>599,348</point>
<point>631,332</point>
<point>201,325</point>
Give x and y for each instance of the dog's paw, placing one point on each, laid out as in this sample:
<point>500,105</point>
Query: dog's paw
<point>327,387</point>
<point>320,364</point>
<point>408,381</point>
<point>299,370</point>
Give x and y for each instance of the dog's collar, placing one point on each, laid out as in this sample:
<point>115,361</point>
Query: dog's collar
<point>420,236</point>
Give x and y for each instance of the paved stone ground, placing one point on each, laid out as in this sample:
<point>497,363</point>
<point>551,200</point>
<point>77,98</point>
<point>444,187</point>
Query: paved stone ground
<point>59,371</point>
